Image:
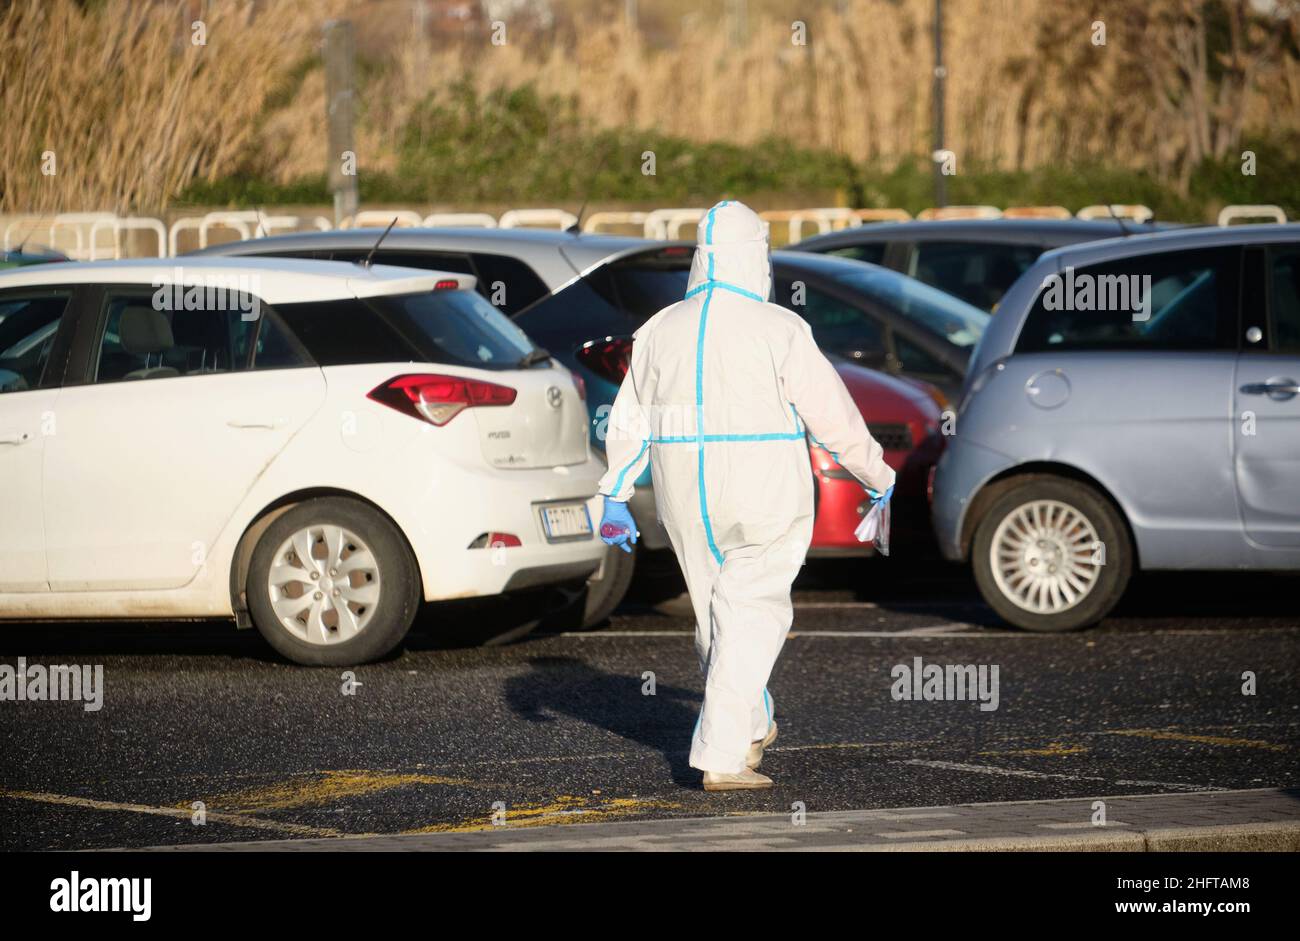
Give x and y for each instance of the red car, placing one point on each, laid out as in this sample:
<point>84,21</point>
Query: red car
<point>904,416</point>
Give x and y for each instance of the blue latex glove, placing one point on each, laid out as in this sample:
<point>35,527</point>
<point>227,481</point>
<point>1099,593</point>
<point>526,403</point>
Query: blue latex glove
<point>880,497</point>
<point>617,514</point>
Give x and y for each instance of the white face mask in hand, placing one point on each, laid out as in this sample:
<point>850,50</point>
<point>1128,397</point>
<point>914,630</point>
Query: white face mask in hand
<point>875,526</point>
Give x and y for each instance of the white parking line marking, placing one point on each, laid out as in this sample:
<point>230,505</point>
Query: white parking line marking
<point>1021,773</point>
<point>589,635</point>
<point>930,630</point>
<point>914,834</point>
<point>968,631</point>
<point>814,605</point>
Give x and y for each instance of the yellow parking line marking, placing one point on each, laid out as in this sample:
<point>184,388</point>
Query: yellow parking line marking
<point>1199,739</point>
<point>317,788</point>
<point>238,820</point>
<point>565,809</point>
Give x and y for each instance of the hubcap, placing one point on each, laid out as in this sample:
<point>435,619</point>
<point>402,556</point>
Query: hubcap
<point>1044,556</point>
<point>324,584</point>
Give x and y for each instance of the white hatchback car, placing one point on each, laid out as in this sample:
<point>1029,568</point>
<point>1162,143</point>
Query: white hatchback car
<point>282,442</point>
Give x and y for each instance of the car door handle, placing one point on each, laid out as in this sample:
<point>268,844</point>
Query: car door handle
<point>1274,388</point>
<point>271,423</point>
<point>15,437</point>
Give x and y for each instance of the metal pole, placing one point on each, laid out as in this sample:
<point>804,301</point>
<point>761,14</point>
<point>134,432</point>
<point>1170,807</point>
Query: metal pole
<point>420,16</point>
<point>737,21</point>
<point>940,73</point>
<point>340,107</point>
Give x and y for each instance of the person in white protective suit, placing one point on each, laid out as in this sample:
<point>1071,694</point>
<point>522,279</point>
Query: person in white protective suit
<point>718,394</point>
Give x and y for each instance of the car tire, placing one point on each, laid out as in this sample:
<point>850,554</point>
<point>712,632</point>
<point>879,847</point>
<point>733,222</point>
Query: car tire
<point>376,580</point>
<point>1050,574</point>
<point>594,602</point>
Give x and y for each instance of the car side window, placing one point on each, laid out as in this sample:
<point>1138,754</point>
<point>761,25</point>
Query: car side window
<point>27,329</point>
<point>1284,299</point>
<point>274,347</point>
<point>977,272</point>
<point>1183,300</point>
<point>836,325</point>
<point>873,252</point>
<point>913,358</point>
<point>152,335</point>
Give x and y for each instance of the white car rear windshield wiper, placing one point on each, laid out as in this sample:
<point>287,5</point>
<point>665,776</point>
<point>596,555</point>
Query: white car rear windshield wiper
<point>535,355</point>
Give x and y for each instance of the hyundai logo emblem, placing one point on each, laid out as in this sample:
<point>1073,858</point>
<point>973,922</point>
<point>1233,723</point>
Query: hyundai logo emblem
<point>554,395</point>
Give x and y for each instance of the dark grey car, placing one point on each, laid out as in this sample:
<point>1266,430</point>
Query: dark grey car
<point>974,259</point>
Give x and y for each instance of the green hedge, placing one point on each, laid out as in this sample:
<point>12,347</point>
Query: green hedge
<point>515,147</point>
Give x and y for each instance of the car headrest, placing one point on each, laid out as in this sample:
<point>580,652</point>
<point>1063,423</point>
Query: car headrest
<point>144,330</point>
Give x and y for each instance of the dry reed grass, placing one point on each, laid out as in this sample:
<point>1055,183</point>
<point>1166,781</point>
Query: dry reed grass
<point>133,112</point>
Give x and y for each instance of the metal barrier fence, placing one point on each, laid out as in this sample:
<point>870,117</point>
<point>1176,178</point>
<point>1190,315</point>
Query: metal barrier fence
<point>89,236</point>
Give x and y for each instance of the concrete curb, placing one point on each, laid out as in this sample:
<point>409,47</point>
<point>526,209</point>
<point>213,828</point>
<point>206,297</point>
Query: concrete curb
<point>1259,820</point>
<point>1233,838</point>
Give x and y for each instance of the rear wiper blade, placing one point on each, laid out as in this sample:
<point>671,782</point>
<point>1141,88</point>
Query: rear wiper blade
<point>535,355</point>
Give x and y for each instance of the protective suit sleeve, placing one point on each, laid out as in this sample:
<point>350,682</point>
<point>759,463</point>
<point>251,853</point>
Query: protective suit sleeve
<point>627,443</point>
<point>818,394</point>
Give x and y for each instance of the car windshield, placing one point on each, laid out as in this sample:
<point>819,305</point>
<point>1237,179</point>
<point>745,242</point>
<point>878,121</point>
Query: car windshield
<point>460,325</point>
<point>951,318</point>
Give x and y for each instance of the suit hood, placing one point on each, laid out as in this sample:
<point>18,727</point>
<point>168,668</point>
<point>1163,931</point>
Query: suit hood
<point>732,246</point>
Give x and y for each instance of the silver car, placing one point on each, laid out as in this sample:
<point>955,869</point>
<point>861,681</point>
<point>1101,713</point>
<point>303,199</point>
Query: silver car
<point>1134,404</point>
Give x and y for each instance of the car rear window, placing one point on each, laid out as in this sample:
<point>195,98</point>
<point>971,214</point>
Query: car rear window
<point>459,325</point>
<point>455,327</point>
<point>644,284</point>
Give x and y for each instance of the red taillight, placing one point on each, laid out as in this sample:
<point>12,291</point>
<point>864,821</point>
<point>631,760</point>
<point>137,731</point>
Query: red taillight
<point>438,399</point>
<point>580,384</point>
<point>495,541</point>
<point>446,285</point>
<point>607,358</point>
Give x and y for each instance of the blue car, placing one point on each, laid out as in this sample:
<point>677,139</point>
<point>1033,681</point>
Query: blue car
<point>1135,404</point>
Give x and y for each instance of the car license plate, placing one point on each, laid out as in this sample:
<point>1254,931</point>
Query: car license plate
<point>563,521</point>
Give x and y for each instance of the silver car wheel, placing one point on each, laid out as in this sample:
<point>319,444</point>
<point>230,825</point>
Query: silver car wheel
<point>1043,556</point>
<point>324,584</point>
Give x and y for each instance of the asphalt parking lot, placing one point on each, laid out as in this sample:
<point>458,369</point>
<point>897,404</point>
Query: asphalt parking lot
<point>557,728</point>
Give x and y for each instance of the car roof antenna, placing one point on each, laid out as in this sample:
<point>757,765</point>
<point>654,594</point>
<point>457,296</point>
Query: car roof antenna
<point>371,257</point>
<point>1118,220</point>
<point>576,228</point>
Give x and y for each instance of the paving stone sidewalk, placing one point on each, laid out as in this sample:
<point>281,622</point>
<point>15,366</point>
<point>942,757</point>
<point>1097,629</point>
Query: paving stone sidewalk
<point>1263,819</point>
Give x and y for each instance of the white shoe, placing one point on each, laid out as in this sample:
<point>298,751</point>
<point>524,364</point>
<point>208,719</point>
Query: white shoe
<point>755,757</point>
<point>747,780</point>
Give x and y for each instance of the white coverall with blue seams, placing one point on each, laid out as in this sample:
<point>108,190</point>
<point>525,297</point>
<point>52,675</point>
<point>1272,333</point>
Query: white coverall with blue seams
<point>720,388</point>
